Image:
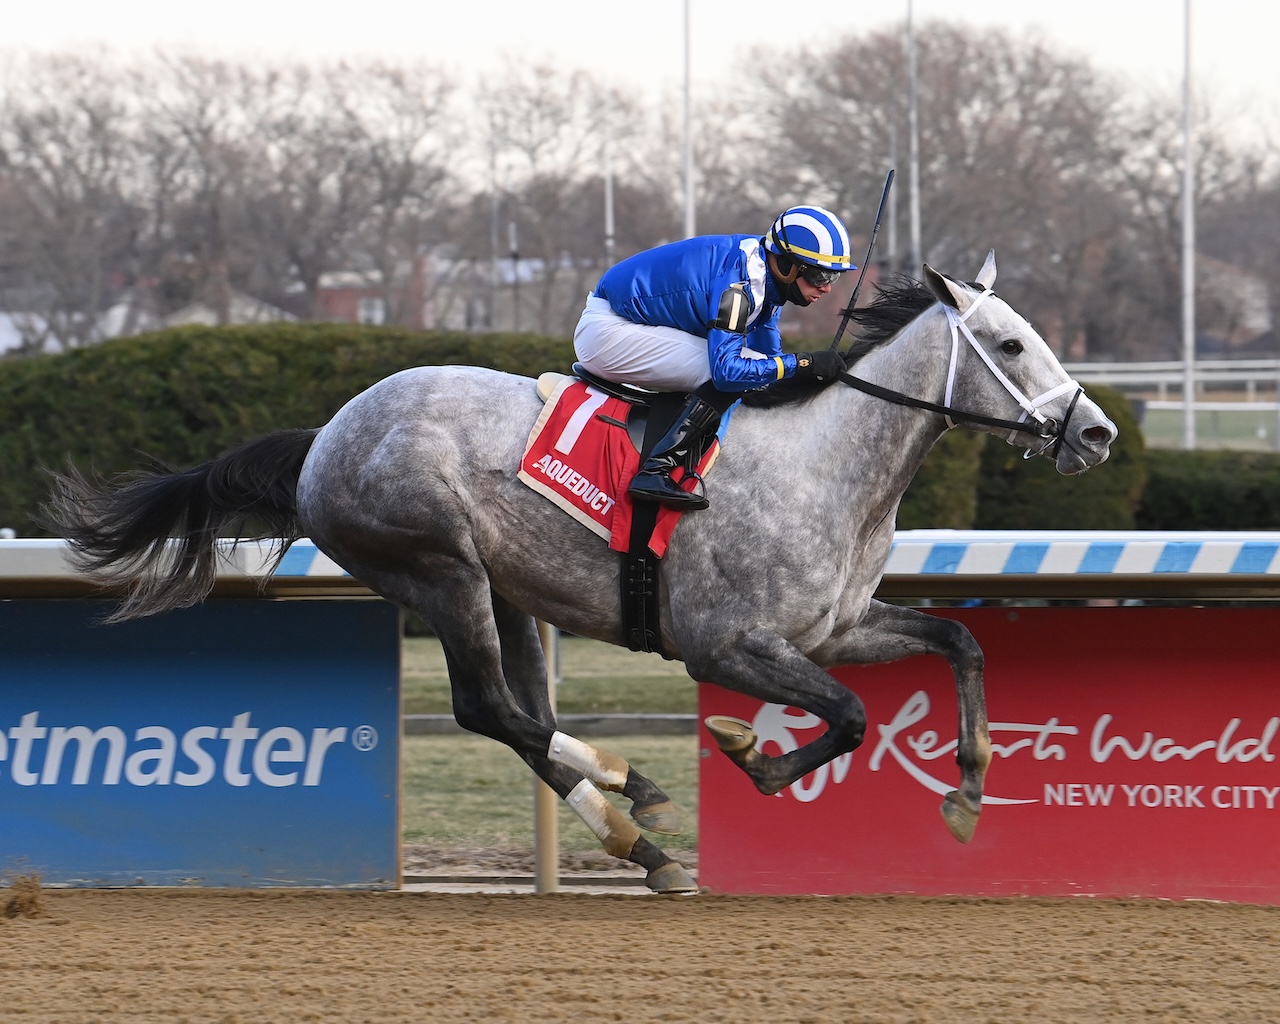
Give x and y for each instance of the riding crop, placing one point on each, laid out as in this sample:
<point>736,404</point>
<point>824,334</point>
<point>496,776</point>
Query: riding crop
<point>875,230</point>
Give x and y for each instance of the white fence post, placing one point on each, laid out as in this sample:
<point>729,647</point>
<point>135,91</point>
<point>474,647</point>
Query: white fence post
<point>546,843</point>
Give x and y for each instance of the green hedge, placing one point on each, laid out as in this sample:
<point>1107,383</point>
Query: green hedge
<point>1201,490</point>
<point>1029,494</point>
<point>183,396</point>
<point>975,480</point>
<point>944,493</point>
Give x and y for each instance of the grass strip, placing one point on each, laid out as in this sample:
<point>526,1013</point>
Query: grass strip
<point>595,678</point>
<point>469,791</point>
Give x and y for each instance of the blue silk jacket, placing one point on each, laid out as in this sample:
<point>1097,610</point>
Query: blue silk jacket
<point>681,285</point>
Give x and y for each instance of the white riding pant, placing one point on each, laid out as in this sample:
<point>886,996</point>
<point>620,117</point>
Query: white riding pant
<point>658,358</point>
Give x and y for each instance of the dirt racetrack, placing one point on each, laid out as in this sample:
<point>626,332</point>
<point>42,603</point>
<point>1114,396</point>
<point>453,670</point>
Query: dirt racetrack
<point>225,957</point>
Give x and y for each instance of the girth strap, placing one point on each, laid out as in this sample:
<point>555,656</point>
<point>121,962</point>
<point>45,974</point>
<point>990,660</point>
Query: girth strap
<point>640,566</point>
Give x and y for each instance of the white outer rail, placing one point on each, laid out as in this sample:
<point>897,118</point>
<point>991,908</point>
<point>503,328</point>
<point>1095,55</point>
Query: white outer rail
<point>1152,374</point>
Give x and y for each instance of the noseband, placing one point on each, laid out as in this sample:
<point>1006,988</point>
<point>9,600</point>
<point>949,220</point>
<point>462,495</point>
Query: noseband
<point>1045,428</point>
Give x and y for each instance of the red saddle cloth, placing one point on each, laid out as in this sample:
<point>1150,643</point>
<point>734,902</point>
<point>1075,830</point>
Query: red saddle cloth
<point>580,456</point>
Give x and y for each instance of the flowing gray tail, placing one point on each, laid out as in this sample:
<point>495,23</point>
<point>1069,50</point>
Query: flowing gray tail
<point>154,535</point>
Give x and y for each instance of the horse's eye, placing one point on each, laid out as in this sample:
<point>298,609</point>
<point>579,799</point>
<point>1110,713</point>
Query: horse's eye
<point>1011,347</point>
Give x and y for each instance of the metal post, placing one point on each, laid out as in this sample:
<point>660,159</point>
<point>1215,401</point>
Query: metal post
<point>546,840</point>
<point>1188,250</point>
<point>608,203</point>
<point>1276,441</point>
<point>515,276</point>
<point>913,147</point>
<point>690,220</point>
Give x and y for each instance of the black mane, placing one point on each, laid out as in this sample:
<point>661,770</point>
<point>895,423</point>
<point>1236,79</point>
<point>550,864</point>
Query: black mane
<point>898,301</point>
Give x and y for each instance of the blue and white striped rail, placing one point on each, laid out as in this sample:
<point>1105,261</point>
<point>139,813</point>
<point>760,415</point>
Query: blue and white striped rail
<point>1019,553</point>
<point>1084,552</point>
<point>1033,564</point>
<point>923,563</point>
<point>41,568</point>
<point>1073,563</point>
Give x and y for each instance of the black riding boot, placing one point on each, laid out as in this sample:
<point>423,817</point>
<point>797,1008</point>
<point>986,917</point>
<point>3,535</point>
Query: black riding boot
<point>678,447</point>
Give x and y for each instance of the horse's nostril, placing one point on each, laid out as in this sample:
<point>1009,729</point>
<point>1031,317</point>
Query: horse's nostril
<point>1097,435</point>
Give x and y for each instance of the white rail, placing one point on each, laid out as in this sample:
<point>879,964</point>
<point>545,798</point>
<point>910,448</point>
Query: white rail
<point>1150,374</point>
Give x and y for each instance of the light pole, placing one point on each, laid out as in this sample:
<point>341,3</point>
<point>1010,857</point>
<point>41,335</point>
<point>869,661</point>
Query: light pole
<point>913,146</point>
<point>608,203</point>
<point>690,221</point>
<point>515,276</point>
<point>1188,248</point>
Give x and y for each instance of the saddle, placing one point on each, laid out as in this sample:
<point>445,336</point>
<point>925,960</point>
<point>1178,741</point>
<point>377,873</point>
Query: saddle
<point>650,415</point>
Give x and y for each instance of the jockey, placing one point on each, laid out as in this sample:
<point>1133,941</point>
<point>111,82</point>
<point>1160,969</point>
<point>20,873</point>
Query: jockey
<point>701,316</point>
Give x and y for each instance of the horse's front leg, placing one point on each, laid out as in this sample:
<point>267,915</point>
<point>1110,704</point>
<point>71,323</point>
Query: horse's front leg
<point>763,665</point>
<point>888,633</point>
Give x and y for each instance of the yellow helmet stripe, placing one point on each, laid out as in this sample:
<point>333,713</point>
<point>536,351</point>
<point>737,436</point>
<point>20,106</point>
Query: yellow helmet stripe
<point>815,257</point>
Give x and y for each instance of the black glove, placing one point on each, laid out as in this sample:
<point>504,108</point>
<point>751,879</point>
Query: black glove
<point>824,365</point>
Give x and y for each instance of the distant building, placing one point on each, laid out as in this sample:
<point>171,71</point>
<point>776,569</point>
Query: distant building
<point>242,309</point>
<point>132,314</point>
<point>33,332</point>
<point>361,297</point>
<point>440,291</point>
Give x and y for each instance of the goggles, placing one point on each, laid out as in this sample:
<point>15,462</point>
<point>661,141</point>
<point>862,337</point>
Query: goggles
<point>819,277</point>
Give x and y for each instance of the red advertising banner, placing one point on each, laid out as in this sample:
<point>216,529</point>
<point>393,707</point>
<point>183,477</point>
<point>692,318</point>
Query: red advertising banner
<point>1135,755</point>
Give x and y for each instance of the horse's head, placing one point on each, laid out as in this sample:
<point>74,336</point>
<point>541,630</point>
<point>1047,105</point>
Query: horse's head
<point>1000,367</point>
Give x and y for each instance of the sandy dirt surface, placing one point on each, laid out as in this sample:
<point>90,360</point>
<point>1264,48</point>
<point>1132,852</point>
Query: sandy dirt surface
<point>137,956</point>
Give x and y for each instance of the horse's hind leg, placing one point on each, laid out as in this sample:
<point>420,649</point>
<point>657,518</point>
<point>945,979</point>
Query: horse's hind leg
<point>451,594</point>
<point>525,672</point>
<point>762,664</point>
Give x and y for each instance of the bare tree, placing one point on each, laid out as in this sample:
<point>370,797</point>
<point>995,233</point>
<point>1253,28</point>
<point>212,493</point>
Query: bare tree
<point>1022,149</point>
<point>400,122</point>
<point>546,131</point>
<point>187,177</point>
<point>68,223</point>
<point>1142,288</point>
<point>1242,227</point>
<point>306,184</point>
<point>207,113</point>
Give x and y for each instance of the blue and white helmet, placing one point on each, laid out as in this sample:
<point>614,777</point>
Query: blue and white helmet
<point>811,237</point>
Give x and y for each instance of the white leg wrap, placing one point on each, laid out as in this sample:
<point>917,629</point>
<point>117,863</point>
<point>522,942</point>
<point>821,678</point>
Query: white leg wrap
<point>603,769</point>
<point>616,834</point>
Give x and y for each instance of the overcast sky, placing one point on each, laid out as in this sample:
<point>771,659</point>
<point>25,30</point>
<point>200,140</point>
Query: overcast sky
<point>639,44</point>
<point>633,43</point>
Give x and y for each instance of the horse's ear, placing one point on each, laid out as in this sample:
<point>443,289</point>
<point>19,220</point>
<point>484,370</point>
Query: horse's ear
<point>948,292</point>
<point>987,275</point>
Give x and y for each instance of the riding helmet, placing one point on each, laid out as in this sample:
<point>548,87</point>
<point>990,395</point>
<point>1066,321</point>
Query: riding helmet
<point>811,242</point>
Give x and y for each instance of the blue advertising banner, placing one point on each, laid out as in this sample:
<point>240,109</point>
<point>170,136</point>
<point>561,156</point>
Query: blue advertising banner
<point>238,743</point>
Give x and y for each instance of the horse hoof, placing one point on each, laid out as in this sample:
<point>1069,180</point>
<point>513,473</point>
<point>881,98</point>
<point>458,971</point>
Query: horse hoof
<point>670,878</point>
<point>960,818</point>
<point>732,735</point>
<point>661,817</point>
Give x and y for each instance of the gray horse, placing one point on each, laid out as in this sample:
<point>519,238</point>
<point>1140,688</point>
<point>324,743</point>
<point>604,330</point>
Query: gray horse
<point>412,489</point>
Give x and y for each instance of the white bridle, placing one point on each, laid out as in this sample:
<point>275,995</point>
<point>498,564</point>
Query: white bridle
<point>1030,406</point>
